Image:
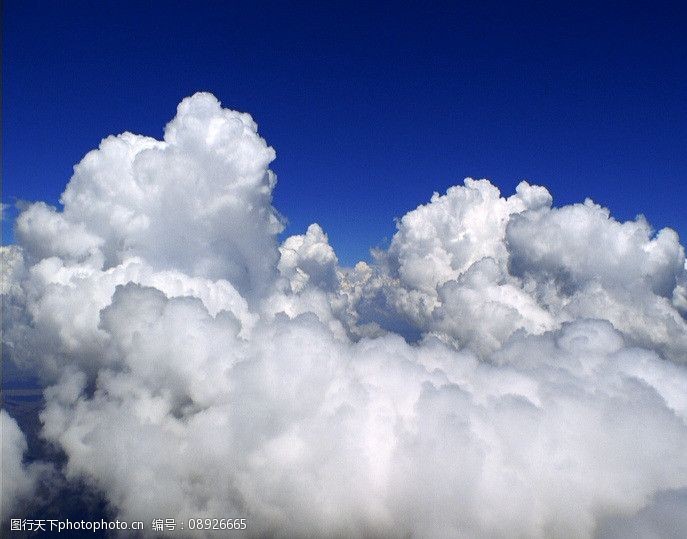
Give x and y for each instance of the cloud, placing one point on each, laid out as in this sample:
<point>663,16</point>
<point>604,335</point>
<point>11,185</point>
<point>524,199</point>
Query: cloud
<point>19,480</point>
<point>665,516</point>
<point>199,201</point>
<point>505,368</point>
<point>309,260</point>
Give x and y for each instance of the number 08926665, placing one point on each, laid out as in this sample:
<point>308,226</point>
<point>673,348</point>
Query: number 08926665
<point>216,524</point>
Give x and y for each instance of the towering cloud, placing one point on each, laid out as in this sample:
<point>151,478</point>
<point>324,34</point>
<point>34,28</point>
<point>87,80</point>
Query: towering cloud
<point>506,367</point>
<point>198,202</point>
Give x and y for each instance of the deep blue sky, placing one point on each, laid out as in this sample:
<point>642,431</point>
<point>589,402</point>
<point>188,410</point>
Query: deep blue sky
<point>371,108</point>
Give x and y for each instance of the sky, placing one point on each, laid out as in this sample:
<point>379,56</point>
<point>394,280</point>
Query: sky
<point>184,338</point>
<point>370,107</point>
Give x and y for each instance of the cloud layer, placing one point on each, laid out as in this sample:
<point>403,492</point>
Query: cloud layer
<point>504,368</point>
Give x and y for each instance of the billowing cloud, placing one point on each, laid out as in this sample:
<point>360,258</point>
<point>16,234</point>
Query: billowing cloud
<point>199,201</point>
<point>506,367</point>
<point>19,479</point>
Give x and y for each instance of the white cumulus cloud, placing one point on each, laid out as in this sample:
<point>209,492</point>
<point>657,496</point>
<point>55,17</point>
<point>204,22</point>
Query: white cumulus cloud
<point>506,368</point>
<point>19,479</point>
